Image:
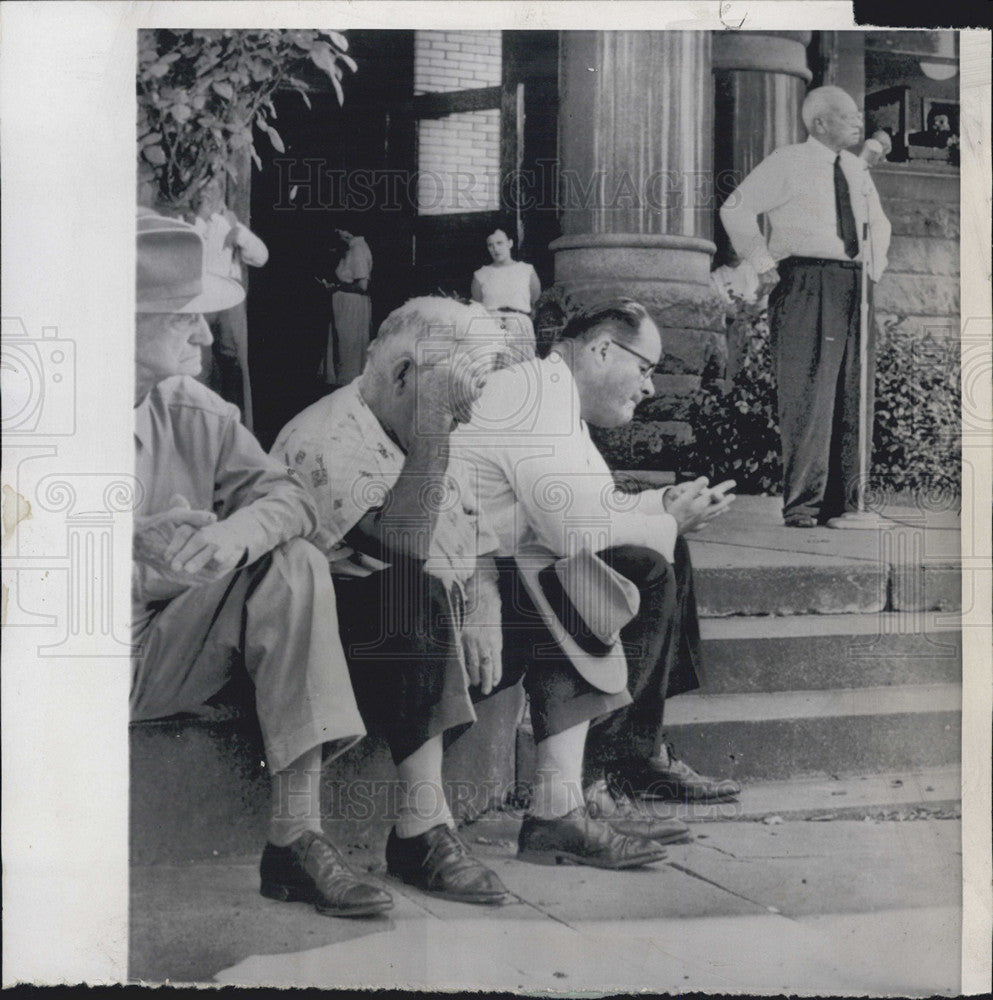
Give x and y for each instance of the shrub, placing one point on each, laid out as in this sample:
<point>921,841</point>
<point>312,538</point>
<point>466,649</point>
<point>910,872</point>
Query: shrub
<point>736,435</point>
<point>917,432</point>
<point>916,438</point>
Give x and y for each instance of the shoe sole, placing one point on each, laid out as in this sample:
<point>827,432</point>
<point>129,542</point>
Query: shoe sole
<point>678,837</point>
<point>665,796</point>
<point>454,897</point>
<point>292,894</point>
<point>567,858</point>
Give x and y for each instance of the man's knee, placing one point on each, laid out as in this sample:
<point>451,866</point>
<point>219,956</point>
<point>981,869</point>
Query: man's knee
<point>300,557</point>
<point>294,572</point>
<point>644,567</point>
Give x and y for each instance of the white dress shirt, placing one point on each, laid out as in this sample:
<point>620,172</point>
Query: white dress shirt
<point>541,480</point>
<point>794,186</point>
<point>220,251</point>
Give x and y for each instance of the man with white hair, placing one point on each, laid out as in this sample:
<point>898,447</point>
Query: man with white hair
<point>221,566</point>
<point>419,608</point>
<point>817,197</point>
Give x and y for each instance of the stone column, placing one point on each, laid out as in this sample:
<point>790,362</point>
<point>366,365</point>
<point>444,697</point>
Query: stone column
<point>635,192</point>
<point>760,79</point>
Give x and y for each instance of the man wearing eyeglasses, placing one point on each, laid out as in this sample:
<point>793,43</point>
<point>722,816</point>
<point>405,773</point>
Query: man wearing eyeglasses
<point>546,488</point>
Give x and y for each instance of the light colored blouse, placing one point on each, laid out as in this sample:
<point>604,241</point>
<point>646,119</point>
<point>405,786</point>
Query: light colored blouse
<point>507,286</point>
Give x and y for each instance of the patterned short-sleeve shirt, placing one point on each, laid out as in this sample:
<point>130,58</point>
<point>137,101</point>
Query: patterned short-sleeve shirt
<point>349,463</point>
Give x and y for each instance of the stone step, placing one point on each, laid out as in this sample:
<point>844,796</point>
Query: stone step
<point>796,733</point>
<point>893,794</point>
<point>787,584</point>
<point>199,787</point>
<point>748,563</point>
<point>749,655</point>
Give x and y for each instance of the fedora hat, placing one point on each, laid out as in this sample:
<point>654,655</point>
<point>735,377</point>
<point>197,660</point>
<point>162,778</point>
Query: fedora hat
<point>170,271</point>
<point>585,604</point>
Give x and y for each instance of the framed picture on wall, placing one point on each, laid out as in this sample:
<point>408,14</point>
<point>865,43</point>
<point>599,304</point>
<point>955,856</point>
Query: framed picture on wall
<point>939,115</point>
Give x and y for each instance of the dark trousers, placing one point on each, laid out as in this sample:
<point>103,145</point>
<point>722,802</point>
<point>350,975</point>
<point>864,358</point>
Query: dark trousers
<point>814,329</point>
<point>399,630</point>
<point>662,645</point>
<point>225,362</point>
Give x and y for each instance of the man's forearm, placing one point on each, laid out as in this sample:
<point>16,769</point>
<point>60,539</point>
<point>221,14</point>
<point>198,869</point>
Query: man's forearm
<point>746,237</point>
<point>406,521</point>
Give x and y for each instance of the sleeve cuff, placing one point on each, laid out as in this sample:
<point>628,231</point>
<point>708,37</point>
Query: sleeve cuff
<point>761,261</point>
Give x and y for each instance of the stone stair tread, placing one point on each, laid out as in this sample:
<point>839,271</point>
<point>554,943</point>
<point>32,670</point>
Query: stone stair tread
<point>696,709</point>
<point>752,530</point>
<point>711,554</point>
<point>886,623</point>
<point>836,796</point>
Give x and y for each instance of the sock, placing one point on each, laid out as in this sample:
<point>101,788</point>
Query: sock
<point>558,786</point>
<point>295,799</point>
<point>660,758</point>
<point>422,804</point>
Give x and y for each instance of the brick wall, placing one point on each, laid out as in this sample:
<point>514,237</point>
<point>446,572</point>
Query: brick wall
<point>455,60</point>
<point>458,155</point>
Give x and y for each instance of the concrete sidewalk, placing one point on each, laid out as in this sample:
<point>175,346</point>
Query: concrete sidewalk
<point>764,904</point>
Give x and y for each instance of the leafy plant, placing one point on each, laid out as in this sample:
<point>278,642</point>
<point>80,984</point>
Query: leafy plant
<point>201,94</point>
<point>917,433</point>
<point>916,437</point>
<point>736,433</point>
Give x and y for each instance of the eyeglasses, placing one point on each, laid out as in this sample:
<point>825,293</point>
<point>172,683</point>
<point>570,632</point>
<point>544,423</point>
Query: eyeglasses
<point>648,368</point>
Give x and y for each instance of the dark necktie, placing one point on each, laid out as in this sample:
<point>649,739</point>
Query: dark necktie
<point>847,229</point>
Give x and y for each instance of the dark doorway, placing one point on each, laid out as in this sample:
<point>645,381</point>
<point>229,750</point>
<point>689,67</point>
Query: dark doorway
<point>336,172</point>
<point>355,167</point>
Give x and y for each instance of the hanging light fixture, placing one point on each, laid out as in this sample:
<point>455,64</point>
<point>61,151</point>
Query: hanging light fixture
<point>943,65</point>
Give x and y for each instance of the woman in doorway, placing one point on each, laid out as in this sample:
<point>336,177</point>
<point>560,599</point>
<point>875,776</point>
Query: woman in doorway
<point>351,310</point>
<point>508,288</point>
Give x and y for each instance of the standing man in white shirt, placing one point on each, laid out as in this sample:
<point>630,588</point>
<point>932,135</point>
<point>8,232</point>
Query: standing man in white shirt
<point>229,244</point>
<point>818,197</point>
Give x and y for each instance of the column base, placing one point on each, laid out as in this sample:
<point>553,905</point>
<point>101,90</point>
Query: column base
<point>670,277</point>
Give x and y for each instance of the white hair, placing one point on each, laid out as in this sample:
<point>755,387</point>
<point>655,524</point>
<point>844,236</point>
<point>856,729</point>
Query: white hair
<point>820,101</point>
<point>436,318</point>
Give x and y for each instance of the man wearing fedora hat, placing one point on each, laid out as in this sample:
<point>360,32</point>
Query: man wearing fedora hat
<point>604,576</point>
<point>221,566</point>
<point>418,603</point>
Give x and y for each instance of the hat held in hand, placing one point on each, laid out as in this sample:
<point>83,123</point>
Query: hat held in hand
<point>170,272</point>
<point>585,603</point>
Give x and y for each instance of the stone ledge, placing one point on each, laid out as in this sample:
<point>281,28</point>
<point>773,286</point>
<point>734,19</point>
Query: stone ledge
<point>923,255</point>
<point>919,294</point>
<point>914,218</point>
<point>199,787</point>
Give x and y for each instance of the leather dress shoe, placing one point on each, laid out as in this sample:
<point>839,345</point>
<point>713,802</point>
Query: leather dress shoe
<point>439,863</point>
<point>578,839</point>
<point>625,817</point>
<point>676,783</point>
<point>311,870</point>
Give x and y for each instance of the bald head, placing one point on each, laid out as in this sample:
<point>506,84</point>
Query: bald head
<point>832,117</point>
